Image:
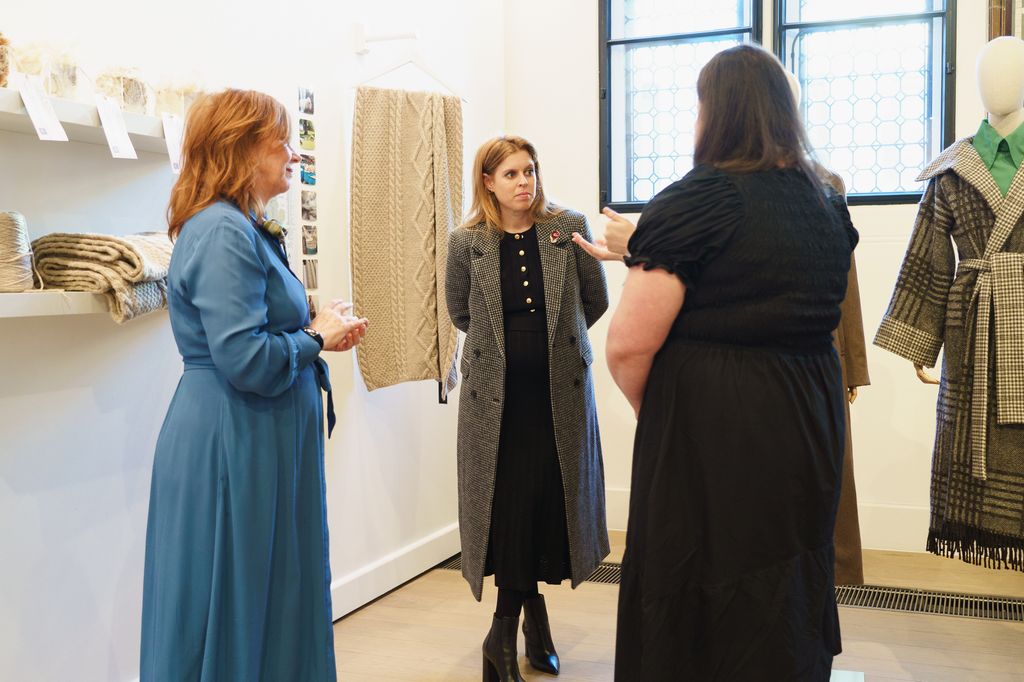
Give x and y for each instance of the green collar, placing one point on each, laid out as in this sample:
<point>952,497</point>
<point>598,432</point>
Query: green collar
<point>987,140</point>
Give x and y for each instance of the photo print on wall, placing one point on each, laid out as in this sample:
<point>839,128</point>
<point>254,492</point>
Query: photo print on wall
<point>307,169</point>
<point>309,240</point>
<point>309,272</point>
<point>306,105</point>
<point>307,134</point>
<point>308,205</point>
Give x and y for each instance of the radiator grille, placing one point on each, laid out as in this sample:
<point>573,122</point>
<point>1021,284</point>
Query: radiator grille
<point>906,600</point>
<point>910,600</point>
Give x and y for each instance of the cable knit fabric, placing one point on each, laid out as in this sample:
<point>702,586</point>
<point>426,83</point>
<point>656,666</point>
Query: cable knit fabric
<point>406,198</point>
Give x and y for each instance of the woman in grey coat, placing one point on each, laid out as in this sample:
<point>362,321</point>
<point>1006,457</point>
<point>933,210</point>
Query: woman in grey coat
<point>531,479</point>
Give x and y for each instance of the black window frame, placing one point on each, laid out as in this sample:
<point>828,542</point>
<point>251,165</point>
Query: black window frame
<point>757,32</point>
<point>607,43</point>
<point>948,96</point>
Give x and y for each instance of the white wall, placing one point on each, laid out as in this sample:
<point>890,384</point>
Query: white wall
<point>551,98</point>
<point>82,400</point>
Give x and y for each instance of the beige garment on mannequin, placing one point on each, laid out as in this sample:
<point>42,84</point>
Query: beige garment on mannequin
<point>848,339</point>
<point>849,342</point>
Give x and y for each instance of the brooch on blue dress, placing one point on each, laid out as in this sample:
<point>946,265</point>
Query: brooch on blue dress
<point>274,229</point>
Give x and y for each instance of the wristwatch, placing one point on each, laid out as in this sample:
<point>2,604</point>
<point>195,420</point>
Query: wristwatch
<point>315,335</point>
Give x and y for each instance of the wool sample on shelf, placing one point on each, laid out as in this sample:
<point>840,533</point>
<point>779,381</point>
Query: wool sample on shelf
<point>5,60</point>
<point>130,271</point>
<point>15,253</point>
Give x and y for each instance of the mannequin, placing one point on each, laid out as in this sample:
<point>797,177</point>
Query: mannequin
<point>1000,72</point>
<point>959,290</point>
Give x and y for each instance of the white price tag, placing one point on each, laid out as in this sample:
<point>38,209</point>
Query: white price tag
<point>40,110</point>
<point>114,128</point>
<point>174,130</point>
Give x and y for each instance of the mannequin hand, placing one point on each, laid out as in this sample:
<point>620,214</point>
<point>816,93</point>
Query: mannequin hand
<point>617,232</point>
<point>598,248</point>
<point>852,394</point>
<point>924,376</point>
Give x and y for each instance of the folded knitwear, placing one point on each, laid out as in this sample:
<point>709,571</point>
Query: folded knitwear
<point>130,271</point>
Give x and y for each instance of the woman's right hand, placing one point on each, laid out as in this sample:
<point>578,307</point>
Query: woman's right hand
<point>617,232</point>
<point>340,330</point>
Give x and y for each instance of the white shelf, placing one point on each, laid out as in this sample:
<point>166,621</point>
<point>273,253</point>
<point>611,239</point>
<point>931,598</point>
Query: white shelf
<point>49,302</point>
<point>82,122</point>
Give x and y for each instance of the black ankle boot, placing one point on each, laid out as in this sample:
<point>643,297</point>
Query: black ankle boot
<point>501,660</point>
<point>539,647</point>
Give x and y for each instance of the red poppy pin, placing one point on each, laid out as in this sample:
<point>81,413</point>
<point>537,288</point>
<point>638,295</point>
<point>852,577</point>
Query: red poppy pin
<point>554,236</point>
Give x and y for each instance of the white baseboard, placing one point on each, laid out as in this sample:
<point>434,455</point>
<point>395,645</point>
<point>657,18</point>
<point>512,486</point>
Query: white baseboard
<point>349,592</point>
<point>617,507</point>
<point>900,528</point>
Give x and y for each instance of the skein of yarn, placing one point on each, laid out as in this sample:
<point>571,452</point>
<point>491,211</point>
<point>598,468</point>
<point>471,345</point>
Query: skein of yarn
<point>5,60</point>
<point>15,253</point>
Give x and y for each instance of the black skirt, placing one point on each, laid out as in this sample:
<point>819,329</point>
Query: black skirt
<point>728,570</point>
<point>529,538</point>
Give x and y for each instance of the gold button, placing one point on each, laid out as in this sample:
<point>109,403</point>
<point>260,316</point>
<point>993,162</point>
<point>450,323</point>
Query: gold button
<point>519,236</point>
<point>522,268</point>
<point>526,283</point>
<point>529,300</point>
<point>522,253</point>
<point>533,310</point>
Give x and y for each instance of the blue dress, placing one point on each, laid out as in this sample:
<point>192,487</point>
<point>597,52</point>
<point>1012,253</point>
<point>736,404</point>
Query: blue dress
<point>237,581</point>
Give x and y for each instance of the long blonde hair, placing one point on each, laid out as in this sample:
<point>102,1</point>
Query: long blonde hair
<point>485,207</point>
<point>223,136</point>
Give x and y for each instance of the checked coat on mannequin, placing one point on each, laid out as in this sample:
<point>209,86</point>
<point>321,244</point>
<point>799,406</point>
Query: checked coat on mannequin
<point>961,289</point>
<point>576,296</point>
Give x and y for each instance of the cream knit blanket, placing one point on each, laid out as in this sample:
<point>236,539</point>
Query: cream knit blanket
<point>130,271</point>
<point>406,198</point>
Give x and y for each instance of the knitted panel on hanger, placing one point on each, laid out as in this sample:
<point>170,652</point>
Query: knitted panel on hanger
<point>406,198</point>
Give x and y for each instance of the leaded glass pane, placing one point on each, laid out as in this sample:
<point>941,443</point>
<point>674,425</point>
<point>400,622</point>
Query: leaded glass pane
<point>798,11</point>
<point>871,100</point>
<point>658,105</point>
<point>646,18</point>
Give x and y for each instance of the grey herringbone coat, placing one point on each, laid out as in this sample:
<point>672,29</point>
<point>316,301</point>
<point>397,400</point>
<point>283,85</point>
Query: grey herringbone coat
<point>576,295</point>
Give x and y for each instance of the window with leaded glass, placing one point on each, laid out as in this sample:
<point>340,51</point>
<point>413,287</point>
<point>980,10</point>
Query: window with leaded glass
<point>875,76</point>
<point>651,53</point>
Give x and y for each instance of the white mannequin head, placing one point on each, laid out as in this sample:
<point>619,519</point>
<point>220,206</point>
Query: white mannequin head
<point>1001,81</point>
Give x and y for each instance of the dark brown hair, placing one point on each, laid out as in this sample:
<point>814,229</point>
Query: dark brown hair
<point>749,119</point>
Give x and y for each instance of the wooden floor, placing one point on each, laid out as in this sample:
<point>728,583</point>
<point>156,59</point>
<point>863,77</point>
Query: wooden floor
<point>430,630</point>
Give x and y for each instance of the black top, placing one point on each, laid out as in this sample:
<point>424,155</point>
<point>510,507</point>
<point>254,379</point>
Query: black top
<point>522,283</point>
<point>764,256</point>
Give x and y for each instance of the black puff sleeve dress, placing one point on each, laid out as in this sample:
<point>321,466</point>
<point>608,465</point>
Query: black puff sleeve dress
<point>728,569</point>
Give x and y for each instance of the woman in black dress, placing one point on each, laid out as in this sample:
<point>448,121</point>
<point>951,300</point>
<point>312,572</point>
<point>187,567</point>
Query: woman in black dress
<point>531,482</point>
<point>722,344</point>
